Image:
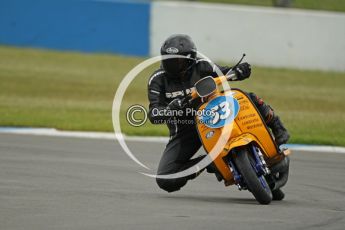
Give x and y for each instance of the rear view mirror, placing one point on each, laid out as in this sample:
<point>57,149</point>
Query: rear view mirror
<point>205,86</point>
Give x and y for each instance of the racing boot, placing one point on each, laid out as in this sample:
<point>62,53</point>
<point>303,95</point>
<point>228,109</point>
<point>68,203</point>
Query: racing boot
<point>279,131</point>
<point>211,168</point>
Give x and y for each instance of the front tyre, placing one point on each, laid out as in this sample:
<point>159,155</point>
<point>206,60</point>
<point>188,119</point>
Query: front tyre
<point>256,185</point>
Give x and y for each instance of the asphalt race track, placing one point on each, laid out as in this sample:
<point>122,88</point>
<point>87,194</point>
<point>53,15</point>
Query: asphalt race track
<point>71,183</point>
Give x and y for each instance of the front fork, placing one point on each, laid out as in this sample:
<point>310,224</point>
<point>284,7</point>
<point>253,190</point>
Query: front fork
<point>259,165</point>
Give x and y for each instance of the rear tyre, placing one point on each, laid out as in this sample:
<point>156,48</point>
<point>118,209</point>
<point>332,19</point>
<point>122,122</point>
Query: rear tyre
<point>278,194</point>
<point>258,186</point>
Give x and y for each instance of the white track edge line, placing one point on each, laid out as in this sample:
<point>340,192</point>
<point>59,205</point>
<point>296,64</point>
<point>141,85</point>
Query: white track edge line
<point>152,139</point>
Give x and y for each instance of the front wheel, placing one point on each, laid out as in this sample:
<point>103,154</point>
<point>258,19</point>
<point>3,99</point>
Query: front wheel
<point>257,185</point>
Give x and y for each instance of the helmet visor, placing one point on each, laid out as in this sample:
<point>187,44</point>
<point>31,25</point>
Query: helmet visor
<point>177,65</point>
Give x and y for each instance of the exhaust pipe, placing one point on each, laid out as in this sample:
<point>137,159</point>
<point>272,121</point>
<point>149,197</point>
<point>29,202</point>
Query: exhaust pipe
<point>283,169</point>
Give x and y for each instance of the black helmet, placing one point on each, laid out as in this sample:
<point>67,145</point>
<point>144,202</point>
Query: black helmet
<point>178,44</point>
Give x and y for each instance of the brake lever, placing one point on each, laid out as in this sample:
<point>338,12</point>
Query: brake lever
<point>234,67</point>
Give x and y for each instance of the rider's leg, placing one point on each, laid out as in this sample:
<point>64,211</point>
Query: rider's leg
<point>272,120</point>
<point>177,157</point>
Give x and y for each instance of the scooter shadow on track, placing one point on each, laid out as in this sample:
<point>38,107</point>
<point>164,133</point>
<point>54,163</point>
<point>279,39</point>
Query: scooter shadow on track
<point>223,200</point>
<point>212,199</point>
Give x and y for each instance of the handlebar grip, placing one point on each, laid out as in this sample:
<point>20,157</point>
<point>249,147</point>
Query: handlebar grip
<point>231,76</point>
<point>194,94</point>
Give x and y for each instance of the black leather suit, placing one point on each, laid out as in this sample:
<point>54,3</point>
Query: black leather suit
<point>184,140</point>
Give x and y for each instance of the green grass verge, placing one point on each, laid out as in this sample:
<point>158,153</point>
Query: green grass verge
<point>330,5</point>
<point>74,91</point>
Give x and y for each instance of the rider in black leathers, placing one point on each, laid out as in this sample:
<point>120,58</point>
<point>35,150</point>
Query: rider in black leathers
<point>166,89</point>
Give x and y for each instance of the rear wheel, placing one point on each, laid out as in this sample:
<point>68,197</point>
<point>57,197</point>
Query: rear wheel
<point>258,186</point>
<point>278,194</point>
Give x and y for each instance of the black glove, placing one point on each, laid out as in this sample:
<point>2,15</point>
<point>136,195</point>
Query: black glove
<point>243,71</point>
<point>175,104</point>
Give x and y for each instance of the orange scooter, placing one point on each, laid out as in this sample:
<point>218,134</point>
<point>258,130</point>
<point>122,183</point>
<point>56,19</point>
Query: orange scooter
<point>248,155</point>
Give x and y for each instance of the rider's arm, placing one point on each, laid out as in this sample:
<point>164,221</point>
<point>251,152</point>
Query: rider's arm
<point>210,69</point>
<point>156,94</point>
<point>207,68</point>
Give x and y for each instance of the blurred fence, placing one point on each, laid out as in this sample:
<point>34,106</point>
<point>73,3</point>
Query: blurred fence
<point>83,25</point>
<point>269,36</point>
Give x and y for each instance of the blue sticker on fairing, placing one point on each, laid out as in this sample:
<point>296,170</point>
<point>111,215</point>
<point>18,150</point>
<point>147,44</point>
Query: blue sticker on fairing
<point>220,111</point>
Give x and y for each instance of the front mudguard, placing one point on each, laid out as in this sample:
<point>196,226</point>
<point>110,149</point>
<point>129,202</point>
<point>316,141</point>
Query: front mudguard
<point>244,140</point>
